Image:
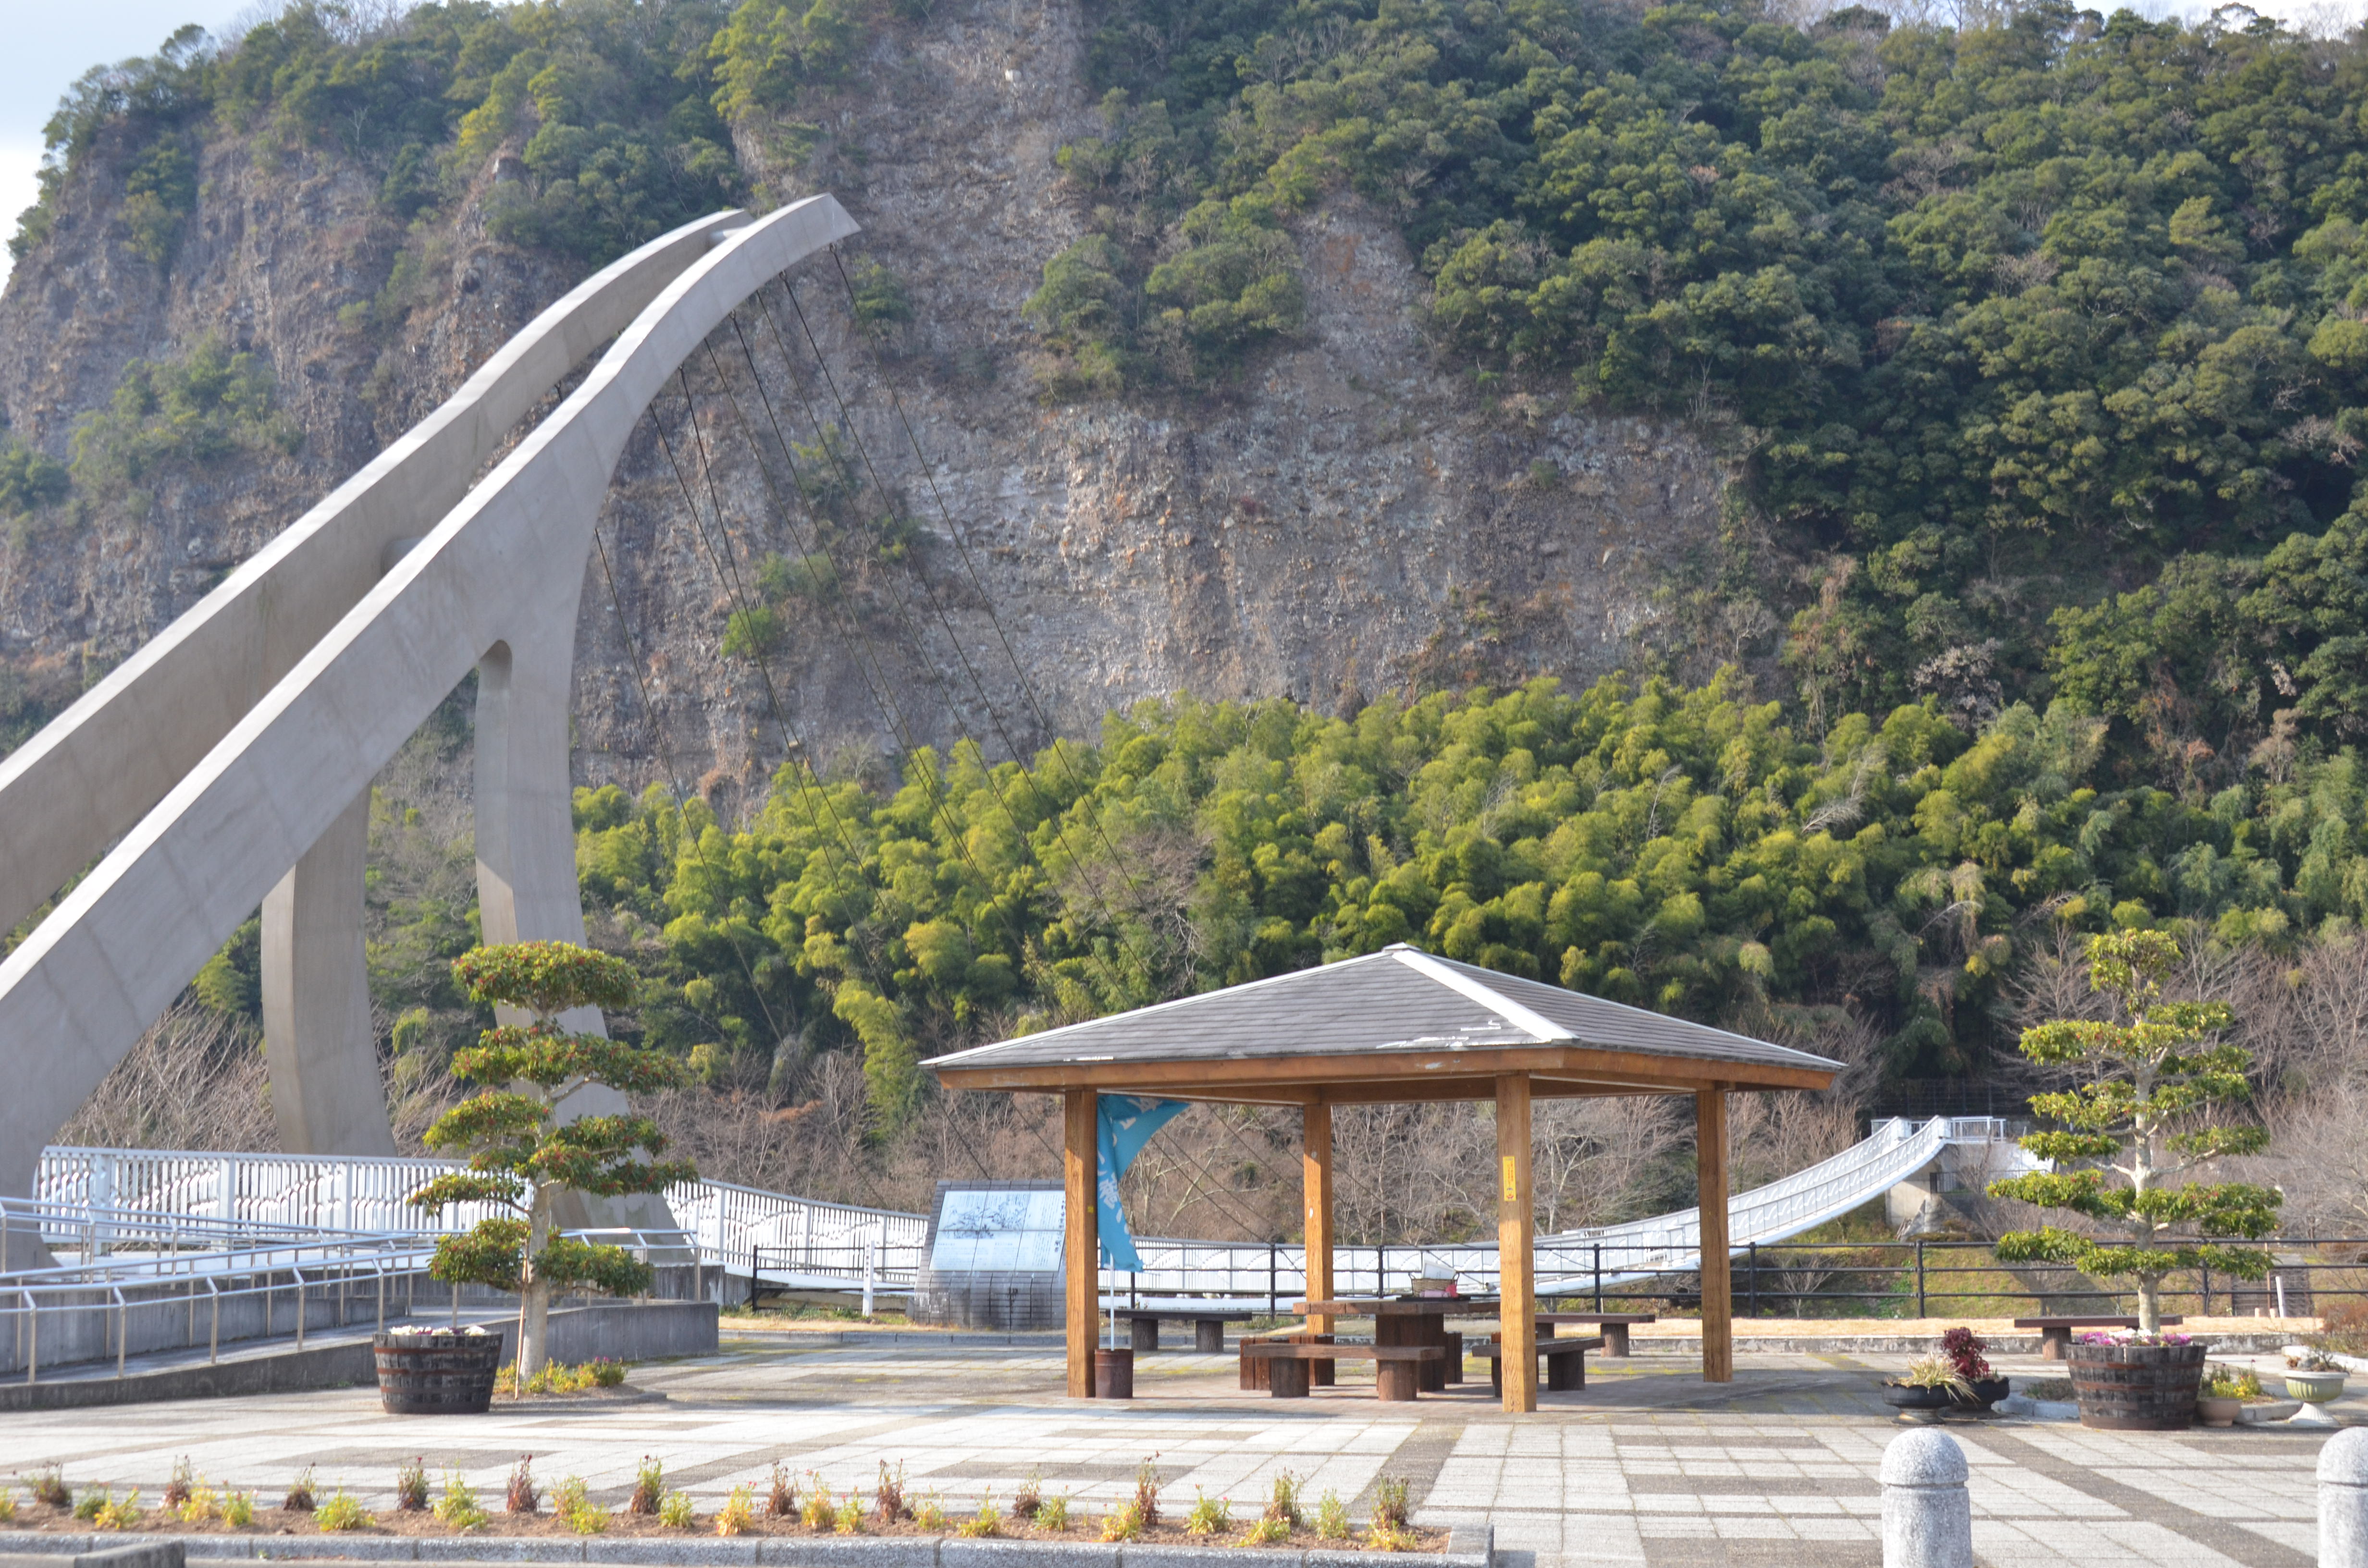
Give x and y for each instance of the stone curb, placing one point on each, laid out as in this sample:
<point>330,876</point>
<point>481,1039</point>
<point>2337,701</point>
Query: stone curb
<point>1469,1546</point>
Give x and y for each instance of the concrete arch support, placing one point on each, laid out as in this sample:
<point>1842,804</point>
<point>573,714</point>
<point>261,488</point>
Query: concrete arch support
<point>317,1040</point>
<point>503,567</point>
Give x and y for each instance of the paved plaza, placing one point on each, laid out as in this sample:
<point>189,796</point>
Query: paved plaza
<point>1647,1465</point>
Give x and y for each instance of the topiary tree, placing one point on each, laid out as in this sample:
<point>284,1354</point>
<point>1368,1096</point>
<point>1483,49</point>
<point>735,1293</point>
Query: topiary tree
<point>522,1154</point>
<point>2154,1086</point>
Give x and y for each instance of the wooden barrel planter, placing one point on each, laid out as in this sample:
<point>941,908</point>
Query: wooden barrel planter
<point>437,1374</point>
<point>2137,1388</point>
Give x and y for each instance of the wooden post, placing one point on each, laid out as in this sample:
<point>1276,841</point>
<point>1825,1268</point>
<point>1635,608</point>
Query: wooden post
<point>1717,1281</point>
<point>1081,1253</point>
<point>1316,1187</point>
<point>1516,1266</point>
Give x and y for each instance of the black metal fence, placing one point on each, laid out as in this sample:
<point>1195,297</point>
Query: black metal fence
<point>1963,1278</point>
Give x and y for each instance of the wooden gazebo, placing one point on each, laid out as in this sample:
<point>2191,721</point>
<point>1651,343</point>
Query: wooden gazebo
<point>1393,1027</point>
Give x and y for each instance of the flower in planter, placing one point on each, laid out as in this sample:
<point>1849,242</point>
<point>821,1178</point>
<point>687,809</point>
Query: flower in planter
<point>1964,1348</point>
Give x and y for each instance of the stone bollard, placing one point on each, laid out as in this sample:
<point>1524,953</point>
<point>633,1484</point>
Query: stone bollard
<point>1927,1521</point>
<point>2343,1500</point>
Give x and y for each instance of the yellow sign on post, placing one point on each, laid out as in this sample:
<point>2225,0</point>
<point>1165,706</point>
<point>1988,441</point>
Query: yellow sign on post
<point>1512,1191</point>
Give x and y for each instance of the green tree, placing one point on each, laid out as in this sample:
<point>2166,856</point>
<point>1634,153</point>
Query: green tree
<point>2154,1082</point>
<point>522,1154</point>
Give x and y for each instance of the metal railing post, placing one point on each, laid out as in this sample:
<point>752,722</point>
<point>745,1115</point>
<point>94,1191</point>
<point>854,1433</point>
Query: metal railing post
<point>33,1337</point>
<point>1273,1296</point>
<point>297,1275</point>
<point>1598,1277</point>
<point>122,1329</point>
<point>1754,1278</point>
<point>1920,1279</point>
<point>213,1334</point>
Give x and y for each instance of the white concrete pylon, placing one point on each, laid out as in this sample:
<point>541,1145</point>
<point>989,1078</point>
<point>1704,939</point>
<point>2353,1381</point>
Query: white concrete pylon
<point>500,572</point>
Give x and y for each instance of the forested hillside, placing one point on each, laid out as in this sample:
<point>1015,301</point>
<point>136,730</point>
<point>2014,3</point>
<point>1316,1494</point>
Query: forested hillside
<point>2036,352</point>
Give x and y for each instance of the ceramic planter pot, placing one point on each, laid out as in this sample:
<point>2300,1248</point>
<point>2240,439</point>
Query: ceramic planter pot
<point>2314,1388</point>
<point>2215,1410</point>
<point>1987,1391</point>
<point>1918,1404</point>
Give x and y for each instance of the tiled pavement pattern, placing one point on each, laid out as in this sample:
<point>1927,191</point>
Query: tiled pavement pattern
<point>1647,1467</point>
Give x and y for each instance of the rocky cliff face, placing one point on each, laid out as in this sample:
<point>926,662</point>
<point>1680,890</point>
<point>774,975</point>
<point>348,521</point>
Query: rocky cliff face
<point>1349,519</point>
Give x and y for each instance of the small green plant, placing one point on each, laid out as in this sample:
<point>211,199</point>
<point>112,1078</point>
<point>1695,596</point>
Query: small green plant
<point>238,1509</point>
<point>1146,1492</point>
<point>523,1496</point>
<point>675,1511</point>
<point>849,1515</point>
<point>7,1504</point>
<point>985,1522</point>
<point>1124,1523</point>
<point>458,1507</point>
<point>299,1492</point>
<point>1390,1502</point>
<point>572,1501</point>
<point>200,1505</point>
<point>119,1514</point>
<point>888,1497</point>
<point>1332,1517</point>
<point>738,1515</point>
<point>1935,1373</point>
<point>178,1489</point>
<point>1266,1530</point>
<point>816,1512</point>
<point>1283,1506</point>
<point>1030,1495</point>
<point>649,1486</point>
<point>1053,1513</point>
<point>49,1488</point>
<point>343,1511</point>
<point>1209,1515</point>
<point>929,1513</point>
<point>607,1372</point>
<point>410,1487</point>
<point>782,1498</point>
<point>87,1506</point>
<point>1389,1538</point>
<point>2231,1383</point>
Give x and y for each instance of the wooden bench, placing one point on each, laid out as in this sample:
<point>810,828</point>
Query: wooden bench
<point>1396,1368</point>
<point>1565,1360</point>
<point>1614,1326</point>
<point>2056,1333</point>
<point>1208,1328</point>
<point>1257,1368</point>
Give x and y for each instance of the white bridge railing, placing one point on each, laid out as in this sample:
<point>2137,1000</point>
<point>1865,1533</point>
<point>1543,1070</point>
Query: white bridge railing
<point>99,1200</point>
<point>1574,1261</point>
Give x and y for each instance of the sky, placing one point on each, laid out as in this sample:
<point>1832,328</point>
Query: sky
<point>50,42</point>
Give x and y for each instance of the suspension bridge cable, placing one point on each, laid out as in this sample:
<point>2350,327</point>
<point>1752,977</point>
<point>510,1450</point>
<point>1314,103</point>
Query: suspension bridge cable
<point>673,782</point>
<point>890,707</point>
<point>1051,816</point>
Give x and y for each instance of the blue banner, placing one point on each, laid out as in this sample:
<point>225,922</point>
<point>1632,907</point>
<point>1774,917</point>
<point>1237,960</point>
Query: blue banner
<point>1123,1124</point>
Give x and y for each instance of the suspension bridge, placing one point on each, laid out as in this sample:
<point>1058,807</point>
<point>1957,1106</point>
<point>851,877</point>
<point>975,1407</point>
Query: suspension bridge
<point>226,765</point>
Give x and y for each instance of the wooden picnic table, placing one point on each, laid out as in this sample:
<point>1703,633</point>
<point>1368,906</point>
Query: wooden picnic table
<point>1414,1320</point>
<point>2056,1333</point>
<point>1614,1326</point>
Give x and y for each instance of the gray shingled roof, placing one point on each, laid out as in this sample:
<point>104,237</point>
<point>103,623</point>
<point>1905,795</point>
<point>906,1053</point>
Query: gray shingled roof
<point>1396,1000</point>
